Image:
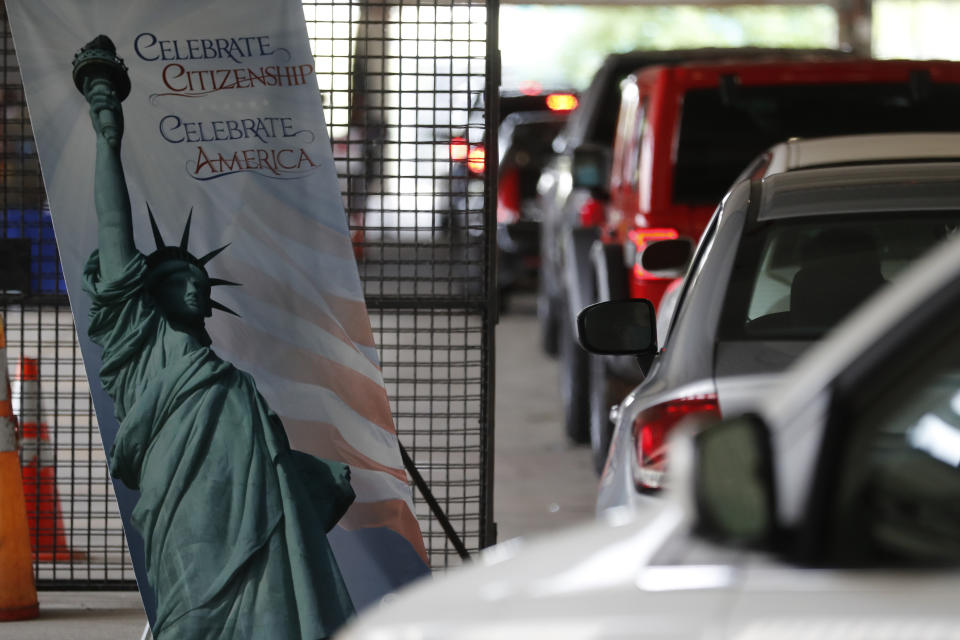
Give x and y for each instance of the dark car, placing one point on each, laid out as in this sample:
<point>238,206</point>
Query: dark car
<point>527,127</point>
<point>525,144</point>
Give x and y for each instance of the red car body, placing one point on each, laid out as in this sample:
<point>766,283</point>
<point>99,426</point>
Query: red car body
<point>644,202</point>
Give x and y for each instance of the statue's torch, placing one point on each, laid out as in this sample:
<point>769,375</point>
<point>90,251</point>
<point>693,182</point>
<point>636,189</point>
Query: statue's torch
<point>97,62</point>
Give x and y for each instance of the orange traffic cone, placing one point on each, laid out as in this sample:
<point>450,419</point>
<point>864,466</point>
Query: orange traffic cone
<point>47,533</point>
<point>18,595</point>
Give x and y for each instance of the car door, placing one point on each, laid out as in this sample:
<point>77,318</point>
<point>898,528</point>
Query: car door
<point>887,485</point>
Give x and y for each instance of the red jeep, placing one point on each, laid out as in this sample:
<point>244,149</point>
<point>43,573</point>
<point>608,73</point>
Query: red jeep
<point>686,131</point>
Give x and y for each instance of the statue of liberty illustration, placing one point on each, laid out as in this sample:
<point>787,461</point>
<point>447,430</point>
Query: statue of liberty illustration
<point>234,521</point>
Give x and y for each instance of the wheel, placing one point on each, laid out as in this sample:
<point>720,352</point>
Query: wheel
<point>606,390</point>
<point>548,317</point>
<point>574,385</point>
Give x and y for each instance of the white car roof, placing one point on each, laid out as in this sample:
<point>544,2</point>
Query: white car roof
<point>804,153</point>
<point>862,188</point>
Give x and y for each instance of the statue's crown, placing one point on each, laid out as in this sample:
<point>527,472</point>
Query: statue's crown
<point>166,254</point>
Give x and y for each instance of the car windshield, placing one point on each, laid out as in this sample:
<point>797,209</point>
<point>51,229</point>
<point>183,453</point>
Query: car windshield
<point>797,278</point>
<point>720,133</point>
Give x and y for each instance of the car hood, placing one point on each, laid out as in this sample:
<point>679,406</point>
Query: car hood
<point>579,583</point>
<point>789,603</point>
<point>602,581</point>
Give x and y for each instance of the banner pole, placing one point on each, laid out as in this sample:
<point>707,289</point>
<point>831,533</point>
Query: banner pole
<point>435,507</point>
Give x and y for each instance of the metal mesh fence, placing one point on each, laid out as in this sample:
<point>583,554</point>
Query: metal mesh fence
<point>405,88</point>
<point>408,125</point>
<point>75,528</point>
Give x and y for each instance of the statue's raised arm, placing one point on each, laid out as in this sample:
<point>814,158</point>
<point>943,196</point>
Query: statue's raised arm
<point>102,78</point>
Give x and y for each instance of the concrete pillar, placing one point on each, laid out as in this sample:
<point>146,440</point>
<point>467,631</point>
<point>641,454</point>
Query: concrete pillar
<point>855,25</point>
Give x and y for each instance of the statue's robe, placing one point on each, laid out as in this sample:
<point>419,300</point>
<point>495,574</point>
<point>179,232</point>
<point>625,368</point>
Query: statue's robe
<point>234,522</point>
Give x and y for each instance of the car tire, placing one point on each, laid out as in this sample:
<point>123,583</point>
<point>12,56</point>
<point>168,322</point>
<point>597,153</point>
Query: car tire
<point>574,385</point>
<point>606,390</point>
<point>548,318</point>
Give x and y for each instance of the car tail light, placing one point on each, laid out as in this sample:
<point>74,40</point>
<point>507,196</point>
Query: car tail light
<point>458,149</point>
<point>508,196</point>
<point>638,241</point>
<point>592,213</point>
<point>531,88</point>
<point>562,102</point>
<point>650,430</point>
<point>477,159</point>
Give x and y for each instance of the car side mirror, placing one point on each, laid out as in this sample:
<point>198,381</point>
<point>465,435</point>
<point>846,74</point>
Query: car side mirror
<point>591,167</point>
<point>667,258</point>
<point>618,327</point>
<point>733,481</point>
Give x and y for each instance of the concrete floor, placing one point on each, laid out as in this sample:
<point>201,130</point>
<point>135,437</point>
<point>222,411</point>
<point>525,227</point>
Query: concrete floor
<point>541,483</point>
<point>87,615</point>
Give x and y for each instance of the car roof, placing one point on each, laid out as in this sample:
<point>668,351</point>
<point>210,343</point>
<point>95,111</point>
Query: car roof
<point>806,153</point>
<point>605,84</point>
<point>869,188</point>
<point>806,67</point>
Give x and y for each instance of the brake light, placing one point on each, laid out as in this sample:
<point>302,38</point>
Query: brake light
<point>508,196</point>
<point>476,159</point>
<point>650,430</point>
<point>562,102</point>
<point>639,239</point>
<point>592,213</point>
<point>458,149</point>
<point>531,88</point>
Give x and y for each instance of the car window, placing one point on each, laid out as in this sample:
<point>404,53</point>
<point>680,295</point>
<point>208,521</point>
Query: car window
<point>796,279</point>
<point>720,132</point>
<point>623,144</point>
<point>898,498</point>
<point>606,117</point>
<point>638,128</point>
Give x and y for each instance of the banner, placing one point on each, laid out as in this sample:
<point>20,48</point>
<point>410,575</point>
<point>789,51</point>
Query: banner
<point>224,141</point>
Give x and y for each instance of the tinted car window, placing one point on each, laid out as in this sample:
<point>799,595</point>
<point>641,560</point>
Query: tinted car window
<point>796,279</point>
<point>898,490</point>
<point>528,148</point>
<point>721,132</point>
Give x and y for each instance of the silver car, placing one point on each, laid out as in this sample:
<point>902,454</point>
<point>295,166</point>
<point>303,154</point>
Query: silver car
<point>783,260</point>
<point>830,511</point>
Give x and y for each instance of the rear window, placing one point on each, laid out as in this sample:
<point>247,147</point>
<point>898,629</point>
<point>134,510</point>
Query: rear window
<point>721,131</point>
<point>796,279</point>
<point>529,149</point>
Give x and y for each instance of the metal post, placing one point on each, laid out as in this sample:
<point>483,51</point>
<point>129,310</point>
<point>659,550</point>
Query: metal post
<point>488,526</point>
<point>855,25</point>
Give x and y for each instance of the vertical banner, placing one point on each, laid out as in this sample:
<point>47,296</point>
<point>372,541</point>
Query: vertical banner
<point>204,363</point>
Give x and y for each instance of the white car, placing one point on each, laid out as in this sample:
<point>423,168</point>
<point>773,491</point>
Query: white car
<point>831,511</point>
